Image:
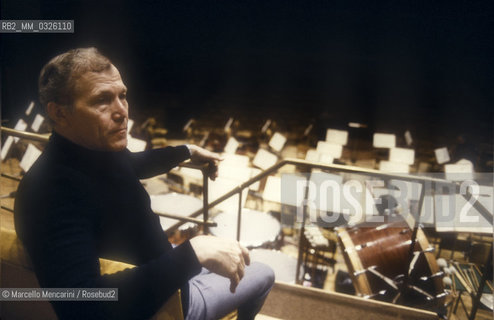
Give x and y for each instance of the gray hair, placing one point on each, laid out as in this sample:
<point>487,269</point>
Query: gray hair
<point>57,80</point>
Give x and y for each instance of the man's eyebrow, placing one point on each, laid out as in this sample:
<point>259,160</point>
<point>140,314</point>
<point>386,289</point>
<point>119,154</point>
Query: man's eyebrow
<point>99,92</point>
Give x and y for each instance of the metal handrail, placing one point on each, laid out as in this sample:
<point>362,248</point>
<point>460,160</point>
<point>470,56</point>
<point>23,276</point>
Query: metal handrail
<point>204,168</point>
<point>26,135</point>
<point>317,165</point>
<point>341,168</point>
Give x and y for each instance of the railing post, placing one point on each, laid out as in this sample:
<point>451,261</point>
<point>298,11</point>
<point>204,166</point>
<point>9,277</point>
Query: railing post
<point>302,231</point>
<point>205,195</point>
<point>239,216</point>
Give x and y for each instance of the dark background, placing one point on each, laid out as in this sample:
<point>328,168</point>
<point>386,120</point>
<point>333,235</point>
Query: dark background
<point>425,66</point>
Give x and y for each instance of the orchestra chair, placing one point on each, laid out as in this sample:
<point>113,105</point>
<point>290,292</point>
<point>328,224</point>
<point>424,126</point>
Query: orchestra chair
<point>16,272</point>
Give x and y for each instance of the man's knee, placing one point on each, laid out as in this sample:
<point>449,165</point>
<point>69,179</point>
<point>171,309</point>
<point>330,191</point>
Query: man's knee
<point>263,274</point>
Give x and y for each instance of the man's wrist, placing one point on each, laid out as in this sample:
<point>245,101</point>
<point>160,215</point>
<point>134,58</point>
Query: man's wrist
<point>189,148</point>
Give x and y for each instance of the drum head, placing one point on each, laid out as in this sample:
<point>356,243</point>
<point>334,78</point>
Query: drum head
<point>257,229</point>
<point>176,204</point>
<point>283,265</point>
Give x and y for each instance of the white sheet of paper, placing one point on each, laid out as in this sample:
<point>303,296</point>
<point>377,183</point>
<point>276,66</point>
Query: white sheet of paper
<point>193,175</point>
<point>337,136</point>
<point>30,156</point>
<point>135,145</point>
<point>221,186</point>
<point>277,141</point>
<point>21,125</point>
<point>253,172</point>
<point>334,150</point>
<point>264,159</point>
<point>6,146</point>
<point>272,190</point>
<point>326,158</point>
<point>130,124</point>
<point>384,140</point>
<point>459,171</point>
<point>442,155</point>
<point>394,167</point>
<point>237,173</point>
<point>38,121</point>
<point>312,155</point>
<point>453,213</point>
<point>234,160</point>
<point>402,155</point>
<point>231,146</point>
<point>176,204</point>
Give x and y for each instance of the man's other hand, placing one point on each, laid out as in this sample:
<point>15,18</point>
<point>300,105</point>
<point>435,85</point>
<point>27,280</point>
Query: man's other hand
<point>201,155</point>
<point>222,256</point>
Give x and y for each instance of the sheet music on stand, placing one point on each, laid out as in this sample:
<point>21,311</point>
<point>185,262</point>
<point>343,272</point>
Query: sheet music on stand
<point>6,147</point>
<point>384,140</point>
<point>453,213</point>
<point>255,186</point>
<point>393,167</point>
<point>221,186</point>
<point>237,173</point>
<point>231,146</point>
<point>332,149</point>
<point>277,142</point>
<point>30,156</point>
<point>442,155</point>
<point>272,190</point>
<point>461,170</point>
<point>337,136</point>
<point>38,121</point>
<point>402,155</point>
<point>232,159</point>
<point>264,159</point>
<point>326,158</point>
<point>312,155</point>
<point>135,145</point>
<point>21,125</point>
<point>130,124</point>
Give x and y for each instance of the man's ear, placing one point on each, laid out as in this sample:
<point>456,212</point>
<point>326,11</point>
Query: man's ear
<point>57,113</point>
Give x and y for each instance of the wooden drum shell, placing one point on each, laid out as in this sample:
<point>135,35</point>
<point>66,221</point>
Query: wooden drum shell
<point>387,247</point>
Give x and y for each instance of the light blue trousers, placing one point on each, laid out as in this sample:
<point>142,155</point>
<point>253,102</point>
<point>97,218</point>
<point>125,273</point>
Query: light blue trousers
<point>210,296</point>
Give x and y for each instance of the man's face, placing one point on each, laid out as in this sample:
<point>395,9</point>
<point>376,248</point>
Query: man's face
<point>98,120</point>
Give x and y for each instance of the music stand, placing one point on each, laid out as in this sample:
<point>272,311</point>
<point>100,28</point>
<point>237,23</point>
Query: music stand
<point>476,295</point>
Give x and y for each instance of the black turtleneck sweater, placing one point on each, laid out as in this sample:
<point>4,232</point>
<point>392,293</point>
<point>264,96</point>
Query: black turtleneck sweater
<point>76,205</point>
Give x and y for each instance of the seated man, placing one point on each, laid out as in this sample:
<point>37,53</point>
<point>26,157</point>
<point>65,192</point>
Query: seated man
<point>82,200</point>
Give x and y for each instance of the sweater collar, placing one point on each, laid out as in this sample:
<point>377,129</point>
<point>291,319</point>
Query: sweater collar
<point>82,156</point>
